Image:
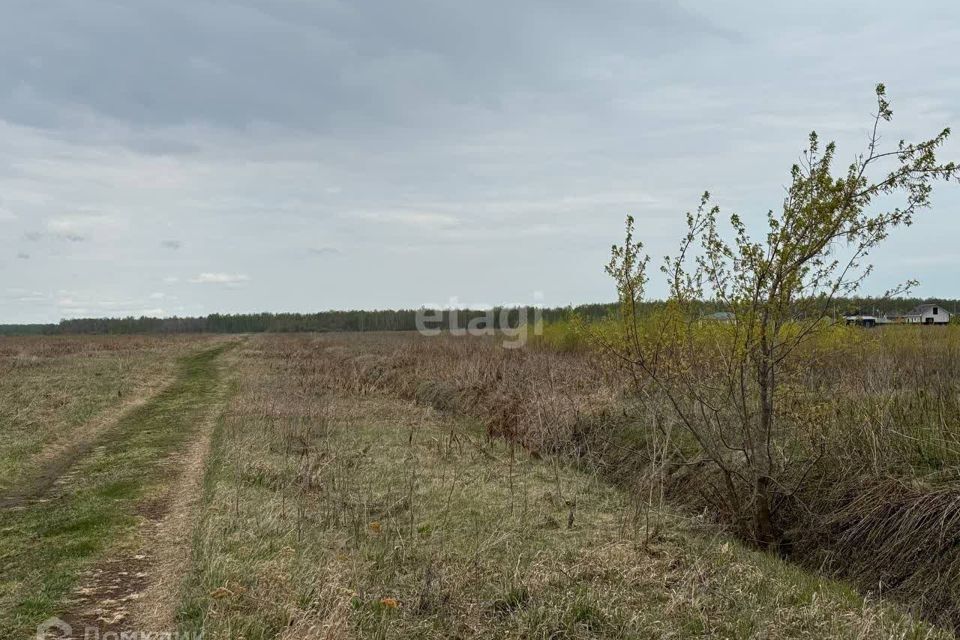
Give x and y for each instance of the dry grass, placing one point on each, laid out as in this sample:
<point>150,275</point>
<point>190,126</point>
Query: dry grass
<point>396,486</point>
<point>52,388</point>
<point>871,411</point>
<point>332,511</point>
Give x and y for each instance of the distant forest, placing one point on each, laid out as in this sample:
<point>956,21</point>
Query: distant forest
<point>386,320</point>
<point>324,321</point>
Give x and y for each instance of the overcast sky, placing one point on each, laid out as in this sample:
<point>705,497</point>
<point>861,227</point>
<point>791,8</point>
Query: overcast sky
<point>194,156</point>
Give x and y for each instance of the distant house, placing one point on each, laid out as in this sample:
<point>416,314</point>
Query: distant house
<point>863,320</point>
<point>924,314</point>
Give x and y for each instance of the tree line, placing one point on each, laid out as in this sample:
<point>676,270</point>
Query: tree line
<point>324,321</point>
<point>389,320</point>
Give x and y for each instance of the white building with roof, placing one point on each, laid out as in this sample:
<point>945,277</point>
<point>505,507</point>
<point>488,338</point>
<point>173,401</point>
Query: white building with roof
<point>925,314</point>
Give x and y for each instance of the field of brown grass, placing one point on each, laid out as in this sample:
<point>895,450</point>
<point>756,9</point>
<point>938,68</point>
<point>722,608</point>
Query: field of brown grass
<point>873,427</point>
<point>394,486</point>
<point>360,486</point>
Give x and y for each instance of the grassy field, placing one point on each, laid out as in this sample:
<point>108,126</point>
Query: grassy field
<point>868,438</point>
<point>379,486</point>
<point>53,389</point>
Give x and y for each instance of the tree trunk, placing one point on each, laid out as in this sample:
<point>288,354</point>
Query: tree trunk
<point>764,529</point>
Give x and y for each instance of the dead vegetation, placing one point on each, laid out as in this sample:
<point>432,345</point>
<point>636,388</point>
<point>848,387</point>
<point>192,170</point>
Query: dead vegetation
<point>334,509</point>
<point>380,485</point>
<point>875,440</point>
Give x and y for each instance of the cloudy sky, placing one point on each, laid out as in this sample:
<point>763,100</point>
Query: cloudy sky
<point>193,156</point>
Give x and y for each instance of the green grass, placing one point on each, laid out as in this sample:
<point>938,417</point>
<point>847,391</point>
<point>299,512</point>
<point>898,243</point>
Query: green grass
<point>44,546</point>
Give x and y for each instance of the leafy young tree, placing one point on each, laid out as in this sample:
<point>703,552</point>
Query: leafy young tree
<point>726,382</point>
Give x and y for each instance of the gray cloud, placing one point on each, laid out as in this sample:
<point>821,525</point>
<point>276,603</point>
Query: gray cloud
<point>312,65</point>
<point>479,150</point>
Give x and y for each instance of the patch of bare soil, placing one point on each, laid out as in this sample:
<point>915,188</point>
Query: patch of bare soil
<point>55,462</point>
<point>105,599</point>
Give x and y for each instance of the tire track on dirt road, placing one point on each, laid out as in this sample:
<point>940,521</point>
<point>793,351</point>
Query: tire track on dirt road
<point>56,461</point>
<point>136,591</point>
<point>167,543</point>
<point>90,546</point>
